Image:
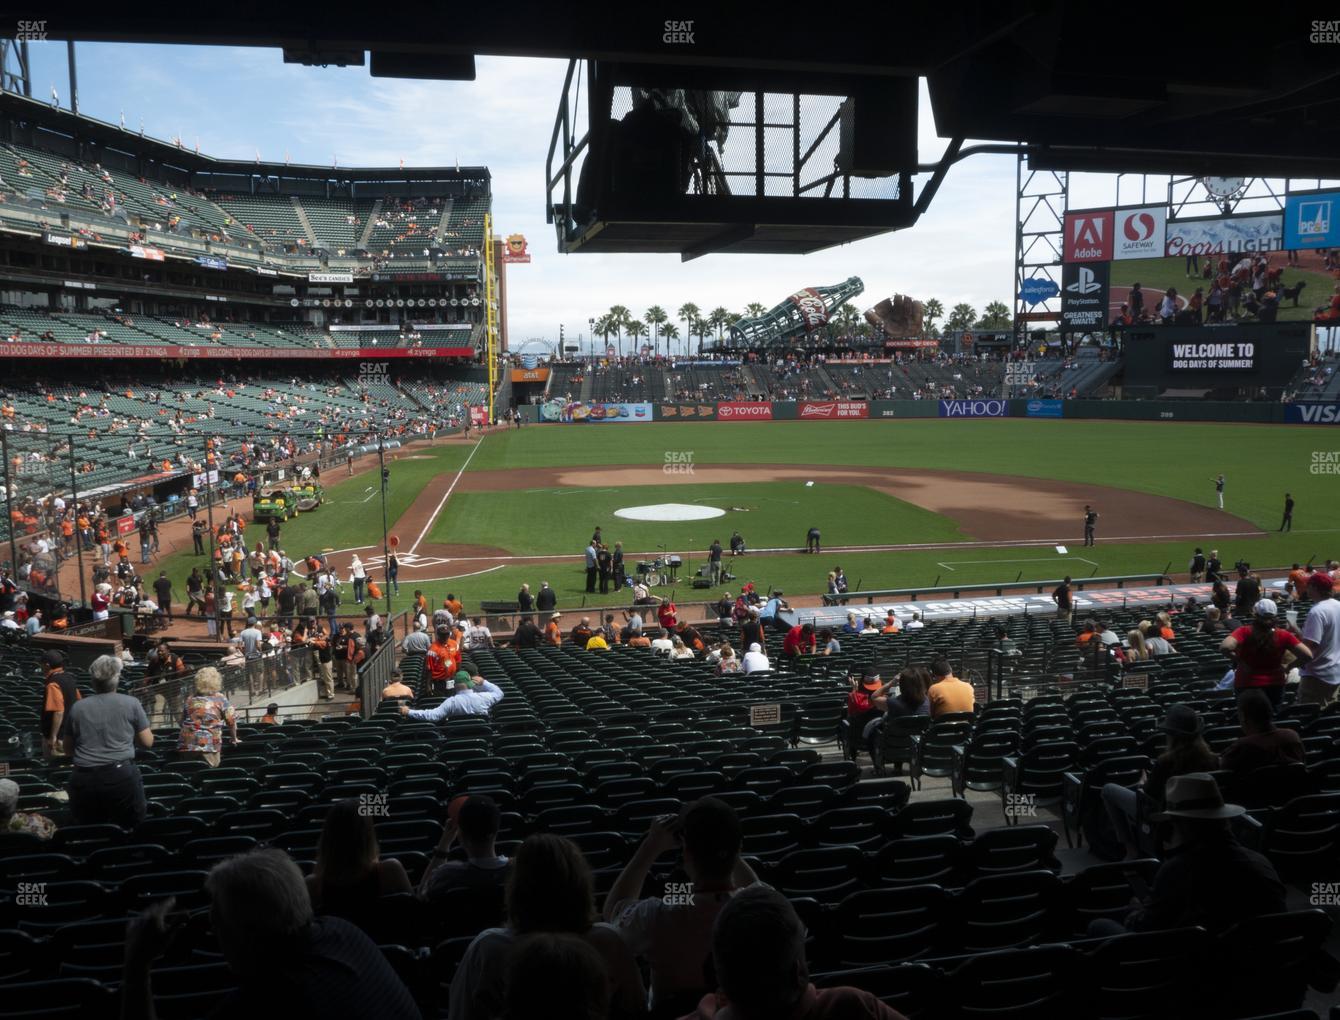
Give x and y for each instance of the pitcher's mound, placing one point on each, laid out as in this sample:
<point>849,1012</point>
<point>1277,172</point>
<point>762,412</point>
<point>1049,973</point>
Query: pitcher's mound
<point>669,512</point>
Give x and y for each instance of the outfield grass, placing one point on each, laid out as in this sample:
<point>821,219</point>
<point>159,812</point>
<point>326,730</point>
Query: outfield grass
<point>1177,459</point>
<point>768,514</point>
<point>1167,458</point>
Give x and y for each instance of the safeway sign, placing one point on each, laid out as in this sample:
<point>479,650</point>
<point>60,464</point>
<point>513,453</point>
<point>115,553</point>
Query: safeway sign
<point>1140,233</point>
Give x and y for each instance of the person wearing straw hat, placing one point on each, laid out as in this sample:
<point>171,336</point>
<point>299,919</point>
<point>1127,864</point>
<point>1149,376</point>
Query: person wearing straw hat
<point>1259,650</point>
<point>552,634</point>
<point>1208,879</point>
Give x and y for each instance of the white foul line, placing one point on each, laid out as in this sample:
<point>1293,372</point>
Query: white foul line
<point>447,495</point>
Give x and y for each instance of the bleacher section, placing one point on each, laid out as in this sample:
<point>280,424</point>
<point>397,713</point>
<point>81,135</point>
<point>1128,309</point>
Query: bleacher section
<point>112,204</point>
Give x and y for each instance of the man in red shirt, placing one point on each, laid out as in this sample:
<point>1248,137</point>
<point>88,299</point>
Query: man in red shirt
<point>799,641</point>
<point>665,615</point>
<point>1258,651</point>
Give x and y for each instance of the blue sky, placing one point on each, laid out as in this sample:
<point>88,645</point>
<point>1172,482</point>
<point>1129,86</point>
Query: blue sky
<point>236,102</point>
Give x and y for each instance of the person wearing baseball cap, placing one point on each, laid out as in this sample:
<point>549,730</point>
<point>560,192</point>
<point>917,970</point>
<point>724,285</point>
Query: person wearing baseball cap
<point>1208,879</point>
<point>1258,651</point>
<point>1186,751</point>
<point>469,696</point>
<point>866,701</point>
<point>1320,681</point>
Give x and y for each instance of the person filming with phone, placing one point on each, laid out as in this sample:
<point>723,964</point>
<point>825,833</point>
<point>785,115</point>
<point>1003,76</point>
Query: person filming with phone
<point>674,931</point>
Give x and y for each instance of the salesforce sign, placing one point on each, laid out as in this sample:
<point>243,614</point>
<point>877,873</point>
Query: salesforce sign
<point>974,409</point>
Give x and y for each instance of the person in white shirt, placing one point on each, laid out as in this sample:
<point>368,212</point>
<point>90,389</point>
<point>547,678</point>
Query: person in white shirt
<point>478,636</point>
<point>7,621</point>
<point>1319,682</point>
<point>470,696</point>
<point>754,660</point>
<point>359,577</point>
<point>662,645</point>
<point>914,623</point>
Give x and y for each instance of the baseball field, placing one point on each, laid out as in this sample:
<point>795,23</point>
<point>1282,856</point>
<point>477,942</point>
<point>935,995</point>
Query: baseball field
<point>898,503</point>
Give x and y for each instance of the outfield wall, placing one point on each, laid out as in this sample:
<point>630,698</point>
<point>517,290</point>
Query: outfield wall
<point>1263,412</point>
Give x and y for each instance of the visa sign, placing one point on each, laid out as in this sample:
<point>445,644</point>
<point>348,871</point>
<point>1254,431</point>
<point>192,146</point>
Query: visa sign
<point>1312,414</point>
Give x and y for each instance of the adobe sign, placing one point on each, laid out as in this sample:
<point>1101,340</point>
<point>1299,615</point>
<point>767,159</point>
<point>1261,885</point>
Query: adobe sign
<point>1088,236</point>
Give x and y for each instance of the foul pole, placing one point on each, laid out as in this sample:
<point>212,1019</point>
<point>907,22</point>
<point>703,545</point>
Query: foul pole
<point>490,311</point>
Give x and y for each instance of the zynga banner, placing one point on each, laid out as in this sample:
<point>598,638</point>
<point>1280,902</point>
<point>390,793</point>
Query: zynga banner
<point>745,410</point>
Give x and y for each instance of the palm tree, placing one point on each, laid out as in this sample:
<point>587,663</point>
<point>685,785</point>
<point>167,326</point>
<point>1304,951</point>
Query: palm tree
<point>996,316</point>
<point>635,330</point>
<point>718,319</point>
<point>962,317</point>
<point>619,319</point>
<point>846,319</point>
<point>689,313</point>
<point>701,328</point>
<point>603,328</point>
<point>932,310</point>
<point>654,317</point>
<point>753,310</point>
<point>671,332</point>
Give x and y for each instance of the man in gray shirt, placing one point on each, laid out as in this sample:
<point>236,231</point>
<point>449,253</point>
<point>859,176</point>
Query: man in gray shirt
<point>417,643</point>
<point>252,642</point>
<point>101,733</point>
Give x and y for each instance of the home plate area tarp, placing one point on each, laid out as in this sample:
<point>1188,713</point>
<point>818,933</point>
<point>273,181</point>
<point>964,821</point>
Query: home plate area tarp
<point>1086,603</point>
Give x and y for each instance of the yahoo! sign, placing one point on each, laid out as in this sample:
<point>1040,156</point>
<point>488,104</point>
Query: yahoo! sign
<point>974,409</point>
<point>743,410</point>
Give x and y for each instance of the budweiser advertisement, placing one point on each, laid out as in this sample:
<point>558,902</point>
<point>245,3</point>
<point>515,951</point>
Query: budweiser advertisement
<point>745,410</point>
<point>834,409</point>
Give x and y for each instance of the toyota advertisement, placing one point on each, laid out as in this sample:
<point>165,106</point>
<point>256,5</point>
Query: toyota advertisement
<point>744,410</point>
<point>833,410</point>
<point>1084,295</point>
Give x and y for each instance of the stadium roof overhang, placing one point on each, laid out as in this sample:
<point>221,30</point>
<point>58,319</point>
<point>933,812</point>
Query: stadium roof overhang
<point>1179,89</point>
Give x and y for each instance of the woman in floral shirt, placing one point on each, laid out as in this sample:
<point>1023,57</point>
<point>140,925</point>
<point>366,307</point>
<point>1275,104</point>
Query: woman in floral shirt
<point>204,717</point>
<point>14,820</point>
